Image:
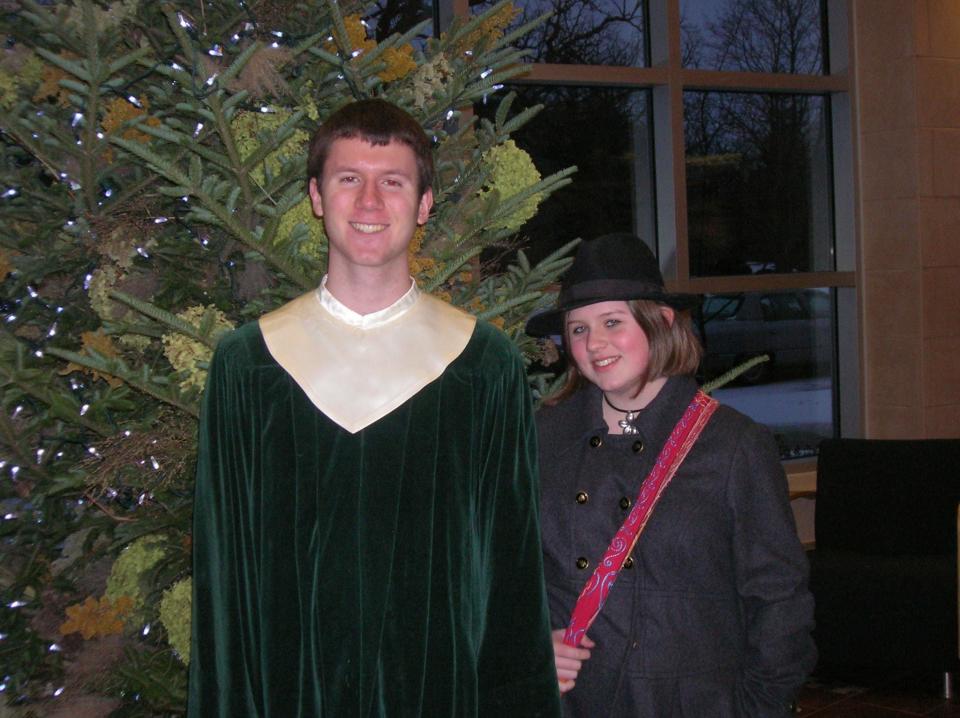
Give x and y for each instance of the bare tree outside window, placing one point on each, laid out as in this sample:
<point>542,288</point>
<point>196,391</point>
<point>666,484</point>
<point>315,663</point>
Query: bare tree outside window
<point>768,36</point>
<point>587,32</point>
<point>758,191</point>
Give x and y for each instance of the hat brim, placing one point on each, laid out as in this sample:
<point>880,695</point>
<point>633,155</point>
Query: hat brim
<point>550,322</point>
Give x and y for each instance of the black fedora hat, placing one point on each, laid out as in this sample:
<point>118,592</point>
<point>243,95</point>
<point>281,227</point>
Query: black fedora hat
<point>608,268</point>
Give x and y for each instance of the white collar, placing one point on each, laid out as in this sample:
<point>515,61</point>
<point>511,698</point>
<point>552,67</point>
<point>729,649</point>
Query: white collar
<point>367,321</point>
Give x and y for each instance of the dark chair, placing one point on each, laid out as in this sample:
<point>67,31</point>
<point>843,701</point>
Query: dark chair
<point>884,570</point>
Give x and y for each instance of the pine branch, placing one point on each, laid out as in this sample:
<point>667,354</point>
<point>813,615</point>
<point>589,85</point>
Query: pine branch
<point>452,268</point>
<point>507,305</point>
<point>547,185</point>
<point>144,381</point>
<point>185,186</point>
<point>70,66</point>
<point>25,140</point>
<point>61,406</point>
<point>545,385</point>
<point>236,162</point>
<point>273,142</point>
<point>728,376</point>
<point>45,21</point>
<point>165,317</point>
<point>11,438</point>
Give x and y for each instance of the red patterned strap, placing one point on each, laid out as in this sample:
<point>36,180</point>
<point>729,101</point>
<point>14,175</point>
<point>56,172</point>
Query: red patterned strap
<point>597,588</point>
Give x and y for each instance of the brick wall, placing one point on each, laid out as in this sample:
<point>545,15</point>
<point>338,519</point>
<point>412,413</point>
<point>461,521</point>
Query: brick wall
<point>907,60</point>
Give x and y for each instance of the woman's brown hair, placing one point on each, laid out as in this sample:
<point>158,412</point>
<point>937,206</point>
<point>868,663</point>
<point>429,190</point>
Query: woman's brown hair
<point>674,348</point>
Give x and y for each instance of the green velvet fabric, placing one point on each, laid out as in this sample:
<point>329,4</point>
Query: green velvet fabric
<point>392,572</point>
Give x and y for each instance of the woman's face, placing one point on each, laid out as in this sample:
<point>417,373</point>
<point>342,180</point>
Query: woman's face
<point>609,347</point>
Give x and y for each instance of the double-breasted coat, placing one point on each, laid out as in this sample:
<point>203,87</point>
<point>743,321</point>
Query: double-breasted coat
<point>711,615</point>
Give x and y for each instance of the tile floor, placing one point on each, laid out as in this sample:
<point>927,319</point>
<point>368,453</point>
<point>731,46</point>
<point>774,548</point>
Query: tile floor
<point>891,696</point>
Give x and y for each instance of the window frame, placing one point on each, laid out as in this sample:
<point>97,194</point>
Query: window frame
<point>667,79</point>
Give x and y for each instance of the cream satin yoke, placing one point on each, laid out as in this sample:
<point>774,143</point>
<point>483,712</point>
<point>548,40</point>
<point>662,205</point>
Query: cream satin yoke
<point>357,368</point>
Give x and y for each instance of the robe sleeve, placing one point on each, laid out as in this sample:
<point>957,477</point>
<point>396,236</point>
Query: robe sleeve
<point>516,669</point>
<point>772,581</point>
<point>224,670</point>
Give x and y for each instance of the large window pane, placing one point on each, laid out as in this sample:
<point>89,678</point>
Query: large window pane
<point>792,393</point>
<point>582,32</point>
<point>605,133</point>
<point>758,183</point>
<point>769,36</point>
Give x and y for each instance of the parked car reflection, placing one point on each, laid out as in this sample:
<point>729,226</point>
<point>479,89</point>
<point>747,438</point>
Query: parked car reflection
<point>794,328</point>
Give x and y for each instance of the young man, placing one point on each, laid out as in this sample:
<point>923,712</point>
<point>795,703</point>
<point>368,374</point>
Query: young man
<point>366,540</point>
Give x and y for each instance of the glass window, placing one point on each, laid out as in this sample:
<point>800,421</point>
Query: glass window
<point>758,183</point>
<point>741,179</point>
<point>605,133</point>
<point>769,36</point>
<point>792,391</point>
<point>587,32</point>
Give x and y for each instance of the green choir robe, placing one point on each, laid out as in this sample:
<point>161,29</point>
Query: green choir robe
<point>395,571</point>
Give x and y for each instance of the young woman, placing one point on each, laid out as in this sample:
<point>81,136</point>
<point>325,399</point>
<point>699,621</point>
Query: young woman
<point>708,612</point>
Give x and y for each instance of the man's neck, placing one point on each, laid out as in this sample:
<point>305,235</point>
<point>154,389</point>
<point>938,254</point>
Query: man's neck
<point>367,292</point>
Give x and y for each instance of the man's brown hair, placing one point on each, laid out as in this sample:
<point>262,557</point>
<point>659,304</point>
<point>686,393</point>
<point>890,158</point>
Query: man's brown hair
<point>375,121</point>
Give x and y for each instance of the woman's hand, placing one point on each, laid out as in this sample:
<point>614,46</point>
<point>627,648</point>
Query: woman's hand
<point>569,659</point>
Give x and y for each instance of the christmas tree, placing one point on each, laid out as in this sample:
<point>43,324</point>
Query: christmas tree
<point>153,197</point>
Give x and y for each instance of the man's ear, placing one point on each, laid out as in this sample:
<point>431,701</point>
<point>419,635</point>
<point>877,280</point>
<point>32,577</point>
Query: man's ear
<point>426,204</point>
<point>316,200</point>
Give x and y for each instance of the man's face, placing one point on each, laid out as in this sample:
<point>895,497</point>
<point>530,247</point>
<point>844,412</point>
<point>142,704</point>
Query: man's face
<point>369,203</point>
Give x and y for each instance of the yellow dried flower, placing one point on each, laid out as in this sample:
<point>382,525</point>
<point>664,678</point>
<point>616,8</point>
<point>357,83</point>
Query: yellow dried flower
<point>429,79</point>
<point>93,619</point>
<point>120,111</point>
<point>6,265</point>
<point>102,281</point>
<point>302,214</point>
<point>399,61</point>
<point>421,267</point>
<point>357,35</point>
<point>510,171</point>
<point>175,617</point>
<point>50,84</point>
<point>489,31</point>
<point>103,345</point>
<point>307,92</point>
<point>30,71</point>
<point>247,126</point>
<point>128,571</point>
<point>184,353</point>
<point>19,68</point>
<point>498,322</point>
<point>8,90</point>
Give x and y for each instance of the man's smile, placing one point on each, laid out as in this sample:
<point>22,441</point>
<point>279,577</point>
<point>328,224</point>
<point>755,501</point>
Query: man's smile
<point>368,228</point>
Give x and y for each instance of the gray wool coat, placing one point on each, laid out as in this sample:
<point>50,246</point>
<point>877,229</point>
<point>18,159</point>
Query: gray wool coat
<point>712,616</point>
